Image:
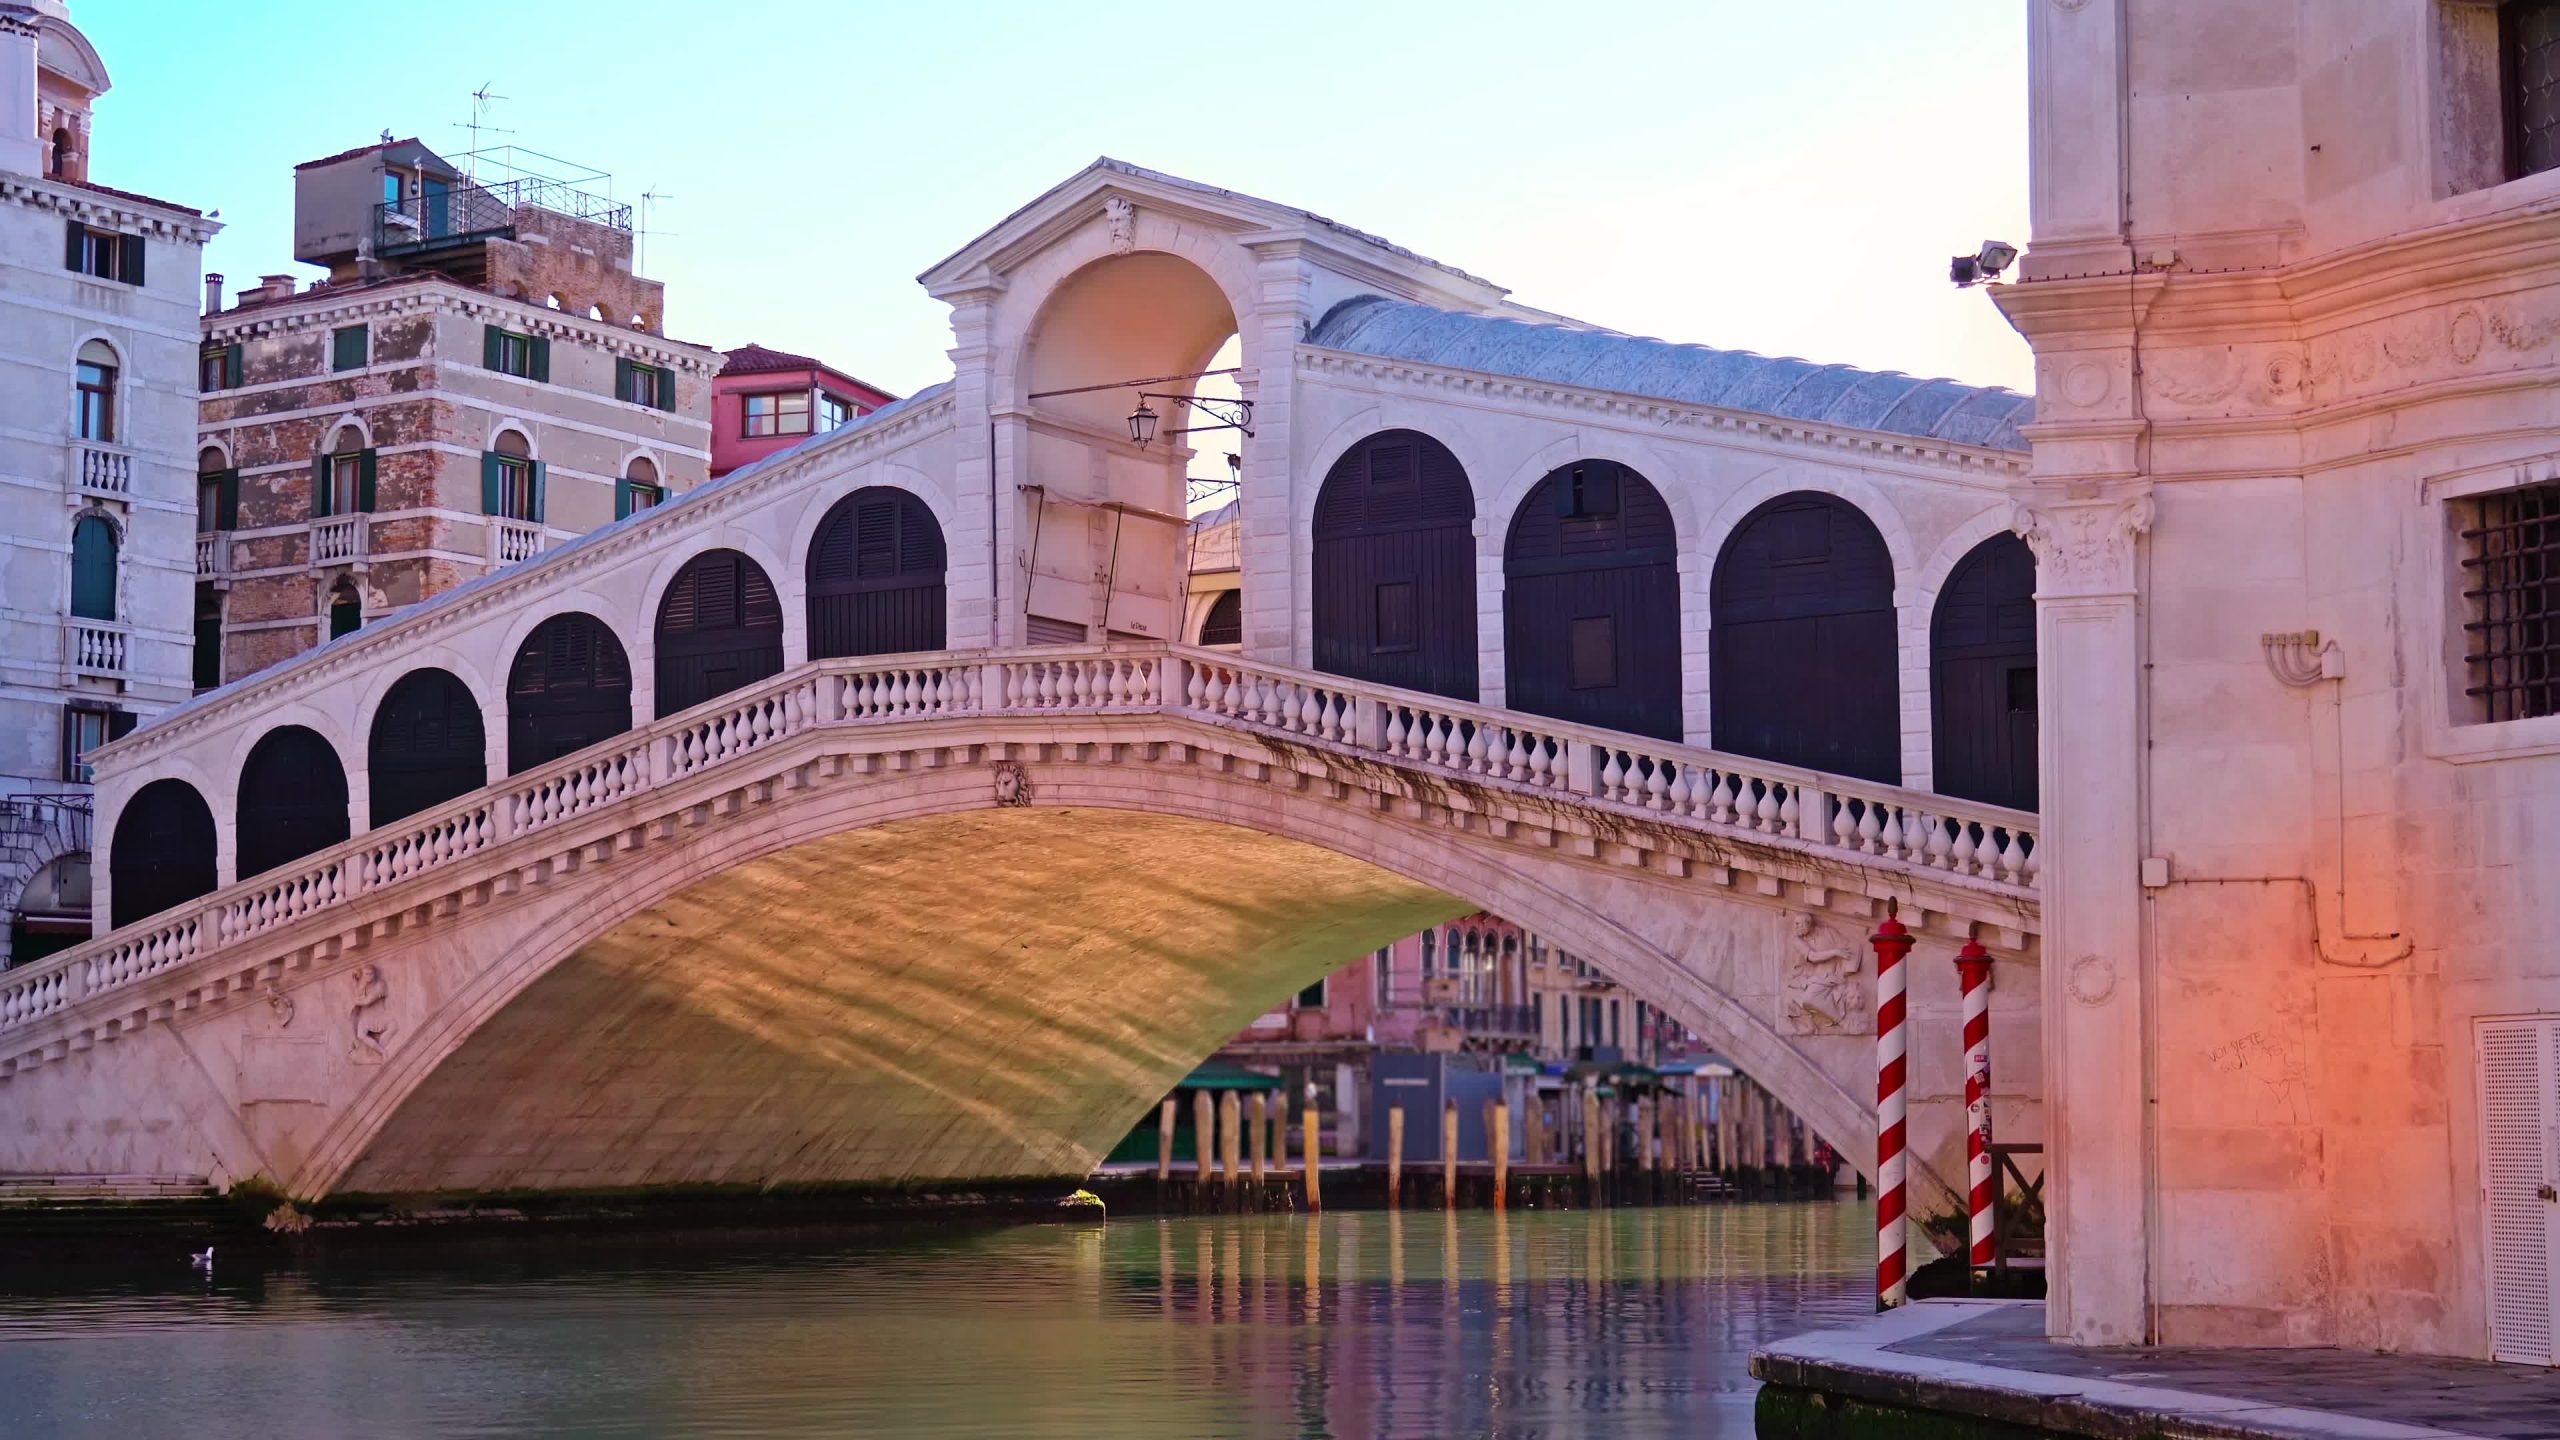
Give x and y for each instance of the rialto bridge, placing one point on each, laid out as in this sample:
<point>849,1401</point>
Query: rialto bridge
<point>864,815</point>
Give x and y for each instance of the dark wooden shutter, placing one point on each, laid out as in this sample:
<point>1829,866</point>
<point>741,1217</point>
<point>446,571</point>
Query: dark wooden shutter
<point>491,347</point>
<point>1804,662</point>
<point>875,576</point>
<point>234,359</point>
<point>541,473</point>
<point>1393,560</point>
<point>161,855</point>
<point>540,366</point>
<point>1591,602</point>
<point>130,271</point>
<point>622,368</point>
<point>666,388</point>
<point>120,723</point>
<point>1982,677</point>
<point>227,501</point>
<point>320,487</point>
<point>75,247</point>
<point>719,628</point>
<point>492,471</point>
<point>365,471</point>
<point>427,746</point>
<point>622,499</point>
<point>570,687</point>
<point>293,800</point>
<point>93,568</point>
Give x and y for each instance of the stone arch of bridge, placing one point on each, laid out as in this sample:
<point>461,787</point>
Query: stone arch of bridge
<point>547,995</point>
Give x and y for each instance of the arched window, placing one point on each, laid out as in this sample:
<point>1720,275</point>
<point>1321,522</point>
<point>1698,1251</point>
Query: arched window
<point>93,568</point>
<point>346,610</point>
<point>1430,943</point>
<point>1802,660</point>
<point>638,489</point>
<point>1591,602</point>
<point>1982,676</point>
<point>1224,624</point>
<point>1393,557</point>
<point>342,479</point>
<point>876,576</point>
<point>217,492</point>
<point>569,688</point>
<point>427,745</point>
<point>511,479</point>
<point>719,627</point>
<point>93,396</point>
<point>162,852</point>
<point>60,165</point>
<point>293,800</point>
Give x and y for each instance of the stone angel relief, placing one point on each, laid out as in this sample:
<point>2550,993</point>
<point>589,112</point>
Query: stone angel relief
<point>1824,991</point>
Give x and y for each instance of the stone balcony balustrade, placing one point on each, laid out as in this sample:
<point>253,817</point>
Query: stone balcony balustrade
<point>337,539</point>
<point>94,649</point>
<point>99,470</point>
<point>511,541</point>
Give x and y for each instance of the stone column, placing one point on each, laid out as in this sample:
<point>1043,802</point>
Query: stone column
<point>2089,671</point>
<point>984,586</point>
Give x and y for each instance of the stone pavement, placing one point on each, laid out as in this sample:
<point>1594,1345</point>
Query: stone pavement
<point>1987,1365</point>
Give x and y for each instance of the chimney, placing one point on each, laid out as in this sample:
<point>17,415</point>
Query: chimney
<point>275,287</point>
<point>213,292</point>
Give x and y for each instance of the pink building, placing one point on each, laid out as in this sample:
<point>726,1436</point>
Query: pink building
<point>767,400</point>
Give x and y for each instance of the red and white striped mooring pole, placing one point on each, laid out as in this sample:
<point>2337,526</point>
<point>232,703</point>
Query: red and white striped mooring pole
<point>1892,943</point>
<point>1973,970</point>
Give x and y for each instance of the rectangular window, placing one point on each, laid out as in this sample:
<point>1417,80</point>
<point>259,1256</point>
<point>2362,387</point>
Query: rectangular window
<point>1312,998</point>
<point>512,487</point>
<point>350,348</point>
<point>630,497</point>
<point>2529,82</point>
<point>217,501</point>
<point>835,411</point>
<point>2511,586</point>
<point>93,410</point>
<point>102,253</point>
<point>85,728</point>
<point>1592,658</point>
<point>648,385</point>
<point>390,187</point>
<point>511,352</point>
<point>784,412</point>
<point>346,478</point>
<point>218,368</point>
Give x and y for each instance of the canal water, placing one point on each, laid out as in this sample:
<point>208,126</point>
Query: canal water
<point>1621,1323</point>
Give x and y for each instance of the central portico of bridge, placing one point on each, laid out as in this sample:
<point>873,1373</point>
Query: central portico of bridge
<point>865,815</point>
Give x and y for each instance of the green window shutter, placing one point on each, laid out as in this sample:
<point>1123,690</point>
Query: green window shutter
<point>364,482</point>
<point>541,367</point>
<point>131,270</point>
<point>621,499</point>
<point>227,507</point>
<point>75,246</point>
<point>541,472</point>
<point>490,472</point>
<point>622,369</point>
<point>347,348</point>
<point>320,488</point>
<point>234,364</point>
<point>489,346</point>
<point>93,569</point>
<point>666,389</point>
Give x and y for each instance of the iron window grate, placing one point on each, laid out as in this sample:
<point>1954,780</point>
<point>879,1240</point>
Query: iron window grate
<point>2529,39</point>
<point>2511,576</point>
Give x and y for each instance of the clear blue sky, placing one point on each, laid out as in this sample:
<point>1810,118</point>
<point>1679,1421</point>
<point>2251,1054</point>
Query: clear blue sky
<point>1785,178</point>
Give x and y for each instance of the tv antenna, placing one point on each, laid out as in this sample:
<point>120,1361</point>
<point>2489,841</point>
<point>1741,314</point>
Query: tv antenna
<point>640,255</point>
<point>481,100</point>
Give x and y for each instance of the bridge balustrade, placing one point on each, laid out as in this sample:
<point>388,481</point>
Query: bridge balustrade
<point>1719,794</point>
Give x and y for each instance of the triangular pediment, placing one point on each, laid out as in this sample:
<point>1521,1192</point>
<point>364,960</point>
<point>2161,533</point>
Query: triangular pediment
<point>1079,200</point>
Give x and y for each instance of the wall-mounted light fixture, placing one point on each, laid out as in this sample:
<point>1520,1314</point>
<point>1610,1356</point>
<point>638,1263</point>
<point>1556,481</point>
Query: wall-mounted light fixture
<point>1223,415</point>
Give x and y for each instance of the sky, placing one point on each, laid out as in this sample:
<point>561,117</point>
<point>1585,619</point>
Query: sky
<point>1784,178</point>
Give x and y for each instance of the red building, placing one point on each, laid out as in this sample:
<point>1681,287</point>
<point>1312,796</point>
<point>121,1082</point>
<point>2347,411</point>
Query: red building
<point>768,400</point>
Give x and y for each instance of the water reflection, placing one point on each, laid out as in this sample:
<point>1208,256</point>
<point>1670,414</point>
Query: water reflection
<point>1623,1323</point>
